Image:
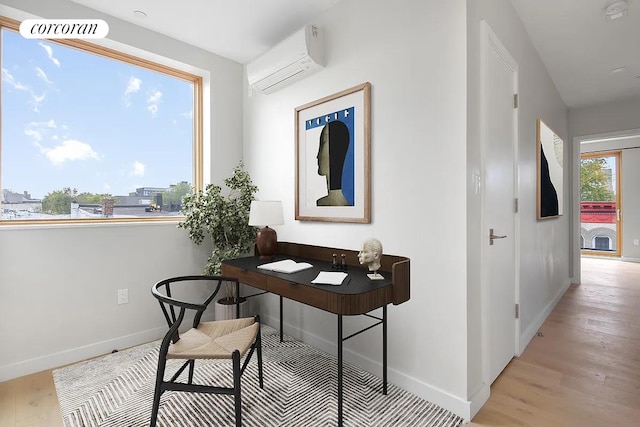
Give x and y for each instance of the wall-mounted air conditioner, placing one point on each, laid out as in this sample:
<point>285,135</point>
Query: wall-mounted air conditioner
<point>293,58</point>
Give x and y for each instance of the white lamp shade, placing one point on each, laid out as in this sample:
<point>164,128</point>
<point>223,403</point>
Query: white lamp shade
<point>266,212</point>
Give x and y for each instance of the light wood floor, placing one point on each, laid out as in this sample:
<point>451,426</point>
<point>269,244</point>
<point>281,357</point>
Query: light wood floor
<point>29,401</point>
<point>584,370</point>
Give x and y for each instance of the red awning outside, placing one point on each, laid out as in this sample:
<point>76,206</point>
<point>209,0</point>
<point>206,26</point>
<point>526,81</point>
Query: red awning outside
<point>599,212</point>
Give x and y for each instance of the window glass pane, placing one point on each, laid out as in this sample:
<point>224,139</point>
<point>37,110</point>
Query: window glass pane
<point>89,136</point>
<point>602,243</point>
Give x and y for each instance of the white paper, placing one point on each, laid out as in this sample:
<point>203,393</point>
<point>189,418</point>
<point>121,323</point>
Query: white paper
<point>285,266</point>
<point>329,278</point>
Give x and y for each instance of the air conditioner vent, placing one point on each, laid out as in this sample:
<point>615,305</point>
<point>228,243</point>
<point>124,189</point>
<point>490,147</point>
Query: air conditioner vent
<point>293,58</point>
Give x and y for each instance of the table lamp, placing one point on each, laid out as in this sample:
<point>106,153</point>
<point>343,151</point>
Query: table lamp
<point>264,213</point>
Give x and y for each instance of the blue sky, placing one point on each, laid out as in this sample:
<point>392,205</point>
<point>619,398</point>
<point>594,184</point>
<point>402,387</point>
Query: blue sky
<point>72,119</point>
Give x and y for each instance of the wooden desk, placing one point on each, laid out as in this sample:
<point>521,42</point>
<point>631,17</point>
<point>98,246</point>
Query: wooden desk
<point>358,295</point>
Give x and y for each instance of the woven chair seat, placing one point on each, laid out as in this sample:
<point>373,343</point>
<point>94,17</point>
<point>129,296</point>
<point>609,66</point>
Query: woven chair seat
<point>215,340</point>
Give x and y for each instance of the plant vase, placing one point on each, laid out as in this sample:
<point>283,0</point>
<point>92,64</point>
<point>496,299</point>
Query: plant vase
<point>225,308</point>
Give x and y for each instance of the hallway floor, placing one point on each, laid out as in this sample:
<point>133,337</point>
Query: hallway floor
<point>583,369</point>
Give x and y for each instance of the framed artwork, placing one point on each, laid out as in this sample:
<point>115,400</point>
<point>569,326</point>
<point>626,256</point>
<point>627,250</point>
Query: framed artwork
<point>550,192</point>
<point>333,139</point>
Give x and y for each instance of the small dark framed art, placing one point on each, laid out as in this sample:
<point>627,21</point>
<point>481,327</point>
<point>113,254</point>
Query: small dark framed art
<point>550,188</point>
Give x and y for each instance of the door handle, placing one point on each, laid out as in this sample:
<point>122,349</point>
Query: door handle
<point>492,236</point>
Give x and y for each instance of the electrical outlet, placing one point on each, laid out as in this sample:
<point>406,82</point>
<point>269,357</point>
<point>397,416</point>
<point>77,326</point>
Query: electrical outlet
<point>123,296</point>
<point>636,242</point>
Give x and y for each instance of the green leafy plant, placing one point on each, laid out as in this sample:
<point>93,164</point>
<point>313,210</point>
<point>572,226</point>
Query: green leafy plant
<point>223,217</point>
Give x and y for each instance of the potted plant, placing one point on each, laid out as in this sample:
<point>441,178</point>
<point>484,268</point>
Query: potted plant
<point>223,217</point>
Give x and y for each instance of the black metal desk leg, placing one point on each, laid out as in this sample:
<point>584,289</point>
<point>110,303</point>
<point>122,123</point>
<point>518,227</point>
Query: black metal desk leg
<point>339,370</point>
<point>237,300</point>
<point>384,349</point>
<point>281,328</point>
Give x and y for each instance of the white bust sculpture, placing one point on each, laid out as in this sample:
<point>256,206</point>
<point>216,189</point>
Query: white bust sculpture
<point>370,255</point>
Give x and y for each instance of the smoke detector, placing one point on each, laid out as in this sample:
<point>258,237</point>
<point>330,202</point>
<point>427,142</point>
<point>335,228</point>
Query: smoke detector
<point>616,10</point>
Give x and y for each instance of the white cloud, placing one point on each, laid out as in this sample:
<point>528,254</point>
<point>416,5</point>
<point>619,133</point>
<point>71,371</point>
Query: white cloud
<point>42,75</point>
<point>138,169</point>
<point>35,101</point>
<point>153,109</point>
<point>35,134</point>
<point>153,99</point>
<point>8,78</point>
<point>48,124</point>
<point>132,87</point>
<point>69,150</point>
<point>37,130</point>
<point>187,115</point>
<point>154,96</point>
<point>49,51</point>
<point>46,136</point>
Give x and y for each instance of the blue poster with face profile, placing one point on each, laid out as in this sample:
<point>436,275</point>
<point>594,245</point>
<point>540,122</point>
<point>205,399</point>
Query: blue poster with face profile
<point>335,147</point>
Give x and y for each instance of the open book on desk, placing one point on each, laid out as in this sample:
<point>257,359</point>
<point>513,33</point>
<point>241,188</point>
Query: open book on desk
<point>285,266</point>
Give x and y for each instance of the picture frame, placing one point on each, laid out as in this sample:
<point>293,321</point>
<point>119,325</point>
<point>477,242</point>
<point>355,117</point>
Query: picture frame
<point>550,171</point>
<point>332,155</point>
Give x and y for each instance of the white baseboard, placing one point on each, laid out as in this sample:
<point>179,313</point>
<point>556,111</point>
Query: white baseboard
<point>73,355</point>
<point>629,259</point>
<point>478,399</point>
<point>428,392</point>
<point>533,328</point>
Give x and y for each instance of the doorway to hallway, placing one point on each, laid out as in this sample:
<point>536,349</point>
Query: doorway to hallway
<point>600,203</point>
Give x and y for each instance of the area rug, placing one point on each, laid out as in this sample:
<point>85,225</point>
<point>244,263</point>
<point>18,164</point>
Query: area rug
<point>300,389</point>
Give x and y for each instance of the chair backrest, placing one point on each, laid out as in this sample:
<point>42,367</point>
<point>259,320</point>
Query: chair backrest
<point>174,309</point>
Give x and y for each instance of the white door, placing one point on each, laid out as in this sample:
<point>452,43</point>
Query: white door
<point>499,260</point>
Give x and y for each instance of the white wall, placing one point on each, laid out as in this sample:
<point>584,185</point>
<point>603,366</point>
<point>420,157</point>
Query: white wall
<point>605,118</point>
<point>414,54</point>
<point>58,284</point>
<point>544,250</point>
<point>631,203</point>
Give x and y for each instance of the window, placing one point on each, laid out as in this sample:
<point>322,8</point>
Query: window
<point>602,243</point>
<point>92,134</point>
<point>600,201</point>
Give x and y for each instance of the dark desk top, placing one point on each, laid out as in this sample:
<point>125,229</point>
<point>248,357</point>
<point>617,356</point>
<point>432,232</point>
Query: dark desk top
<point>355,283</point>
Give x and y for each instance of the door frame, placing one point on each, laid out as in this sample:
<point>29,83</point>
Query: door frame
<point>618,136</point>
<point>618,155</point>
<point>489,40</point>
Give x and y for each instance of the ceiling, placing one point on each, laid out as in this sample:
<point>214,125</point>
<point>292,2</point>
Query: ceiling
<point>577,44</point>
<point>580,47</point>
<point>236,29</point>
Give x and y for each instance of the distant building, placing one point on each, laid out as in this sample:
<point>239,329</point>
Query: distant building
<point>17,203</point>
<point>22,206</point>
<point>119,211</point>
<point>147,191</point>
<point>598,226</point>
<point>132,200</point>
